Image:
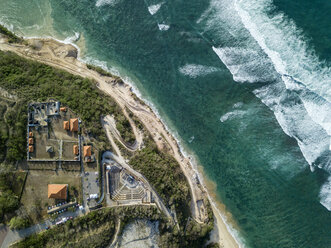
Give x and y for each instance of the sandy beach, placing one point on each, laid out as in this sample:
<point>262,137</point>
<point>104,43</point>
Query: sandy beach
<point>64,56</point>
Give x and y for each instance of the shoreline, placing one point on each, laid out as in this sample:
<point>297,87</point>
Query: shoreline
<point>228,236</point>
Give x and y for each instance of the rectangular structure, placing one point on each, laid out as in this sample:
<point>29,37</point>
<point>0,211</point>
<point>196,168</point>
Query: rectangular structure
<point>57,191</point>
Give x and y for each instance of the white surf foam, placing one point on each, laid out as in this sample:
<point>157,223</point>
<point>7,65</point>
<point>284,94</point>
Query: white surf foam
<point>191,139</point>
<point>285,45</point>
<point>245,65</point>
<point>10,27</point>
<point>238,105</point>
<point>231,115</point>
<point>100,3</point>
<point>101,64</point>
<point>272,49</point>
<point>153,9</point>
<point>294,119</point>
<point>163,27</point>
<point>73,38</point>
<point>194,71</point>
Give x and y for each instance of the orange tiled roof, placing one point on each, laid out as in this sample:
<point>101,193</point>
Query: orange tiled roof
<point>87,151</point>
<point>30,148</point>
<point>76,150</point>
<point>30,134</point>
<point>66,125</point>
<point>74,125</point>
<point>30,141</point>
<point>57,191</point>
<point>63,109</point>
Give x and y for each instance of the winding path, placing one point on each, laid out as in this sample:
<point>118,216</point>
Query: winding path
<point>53,53</point>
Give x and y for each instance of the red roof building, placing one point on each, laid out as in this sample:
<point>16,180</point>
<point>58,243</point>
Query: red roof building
<point>31,148</point>
<point>87,151</point>
<point>75,149</point>
<point>74,125</point>
<point>66,125</point>
<point>57,191</point>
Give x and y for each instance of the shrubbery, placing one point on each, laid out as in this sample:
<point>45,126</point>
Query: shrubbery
<point>8,202</point>
<point>16,137</point>
<point>166,176</point>
<point>10,189</point>
<point>18,222</point>
<point>164,173</point>
<point>105,73</point>
<point>124,127</point>
<point>12,38</point>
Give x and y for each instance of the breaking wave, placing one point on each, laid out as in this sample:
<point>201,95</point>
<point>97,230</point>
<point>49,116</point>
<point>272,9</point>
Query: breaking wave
<point>73,38</point>
<point>163,27</point>
<point>245,65</point>
<point>262,46</point>
<point>153,9</point>
<point>194,71</point>
<point>232,115</point>
<point>100,3</point>
<point>285,45</point>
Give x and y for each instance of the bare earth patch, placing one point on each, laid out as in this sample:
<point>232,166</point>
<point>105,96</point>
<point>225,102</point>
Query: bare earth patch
<point>35,199</point>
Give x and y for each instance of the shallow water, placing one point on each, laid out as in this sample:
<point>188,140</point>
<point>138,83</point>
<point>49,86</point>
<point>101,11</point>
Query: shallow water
<point>244,85</point>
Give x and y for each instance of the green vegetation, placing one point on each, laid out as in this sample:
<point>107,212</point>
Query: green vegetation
<point>8,202</point>
<point>3,132</point>
<point>18,222</point>
<point>33,81</point>
<point>164,173</point>
<point>135,119</point>
<point>101,71</point>
<point>124,127</point>
<point>12,38</point>
<point>95,229</point>
<point>213,245</point>
<point>11,184</point>
<point>13,136</point>
<point>123,150</point>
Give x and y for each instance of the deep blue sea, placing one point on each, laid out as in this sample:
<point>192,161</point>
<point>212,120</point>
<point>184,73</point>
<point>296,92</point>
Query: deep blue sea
<point>244,84</point>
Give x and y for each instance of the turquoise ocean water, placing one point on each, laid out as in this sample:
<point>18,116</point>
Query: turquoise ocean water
<point>245,85</point>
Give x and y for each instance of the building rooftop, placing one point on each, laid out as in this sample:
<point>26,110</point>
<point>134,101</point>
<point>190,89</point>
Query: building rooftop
<point>66,125</point>
<point>57,191</point>
<point>31,148</point>
<point>30,141</point>
<point>74,125</point>
<point>75,149</point>
<point>87,151</point>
